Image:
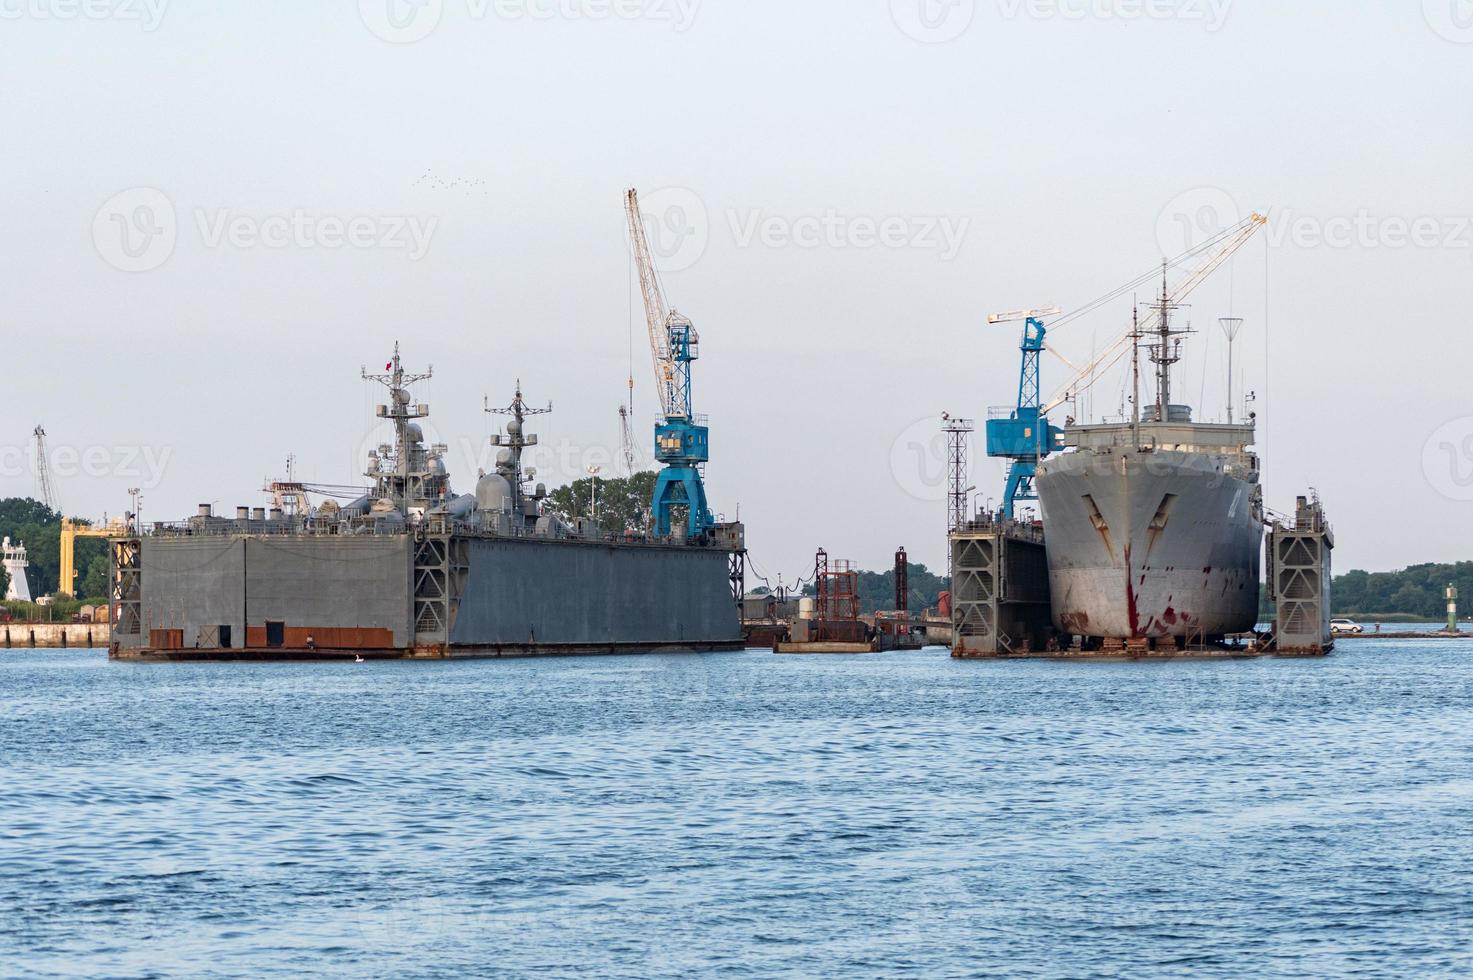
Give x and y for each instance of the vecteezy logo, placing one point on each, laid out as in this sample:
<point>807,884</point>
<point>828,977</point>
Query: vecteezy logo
<point>920,460</point>
<point>1451,19</point>
<point>135,230</point>
<point>933,21</point>
<point>401,21</point>
<point>1194,218</point>
<point>677,225</point>
<point>1447,459</point>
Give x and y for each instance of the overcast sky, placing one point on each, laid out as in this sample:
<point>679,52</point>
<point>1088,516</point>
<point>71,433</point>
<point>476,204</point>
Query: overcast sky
<point>217,213</point>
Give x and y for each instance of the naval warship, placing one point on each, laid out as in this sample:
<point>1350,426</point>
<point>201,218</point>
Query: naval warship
<point>1155,524</point>
<point>413,569</point>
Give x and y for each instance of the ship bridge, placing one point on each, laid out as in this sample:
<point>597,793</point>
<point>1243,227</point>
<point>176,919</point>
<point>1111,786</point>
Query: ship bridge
<point>1184,437</point>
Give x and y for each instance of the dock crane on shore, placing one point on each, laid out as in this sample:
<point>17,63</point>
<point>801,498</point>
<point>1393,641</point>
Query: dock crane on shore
<point>682,443</point>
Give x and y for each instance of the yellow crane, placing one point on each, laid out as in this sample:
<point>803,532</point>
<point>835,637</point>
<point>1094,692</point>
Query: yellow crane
<point>70,532</point>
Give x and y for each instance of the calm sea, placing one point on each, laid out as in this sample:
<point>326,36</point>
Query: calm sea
<point>743,815</point>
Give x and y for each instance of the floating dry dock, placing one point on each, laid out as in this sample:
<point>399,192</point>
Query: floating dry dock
<point>413,570</point>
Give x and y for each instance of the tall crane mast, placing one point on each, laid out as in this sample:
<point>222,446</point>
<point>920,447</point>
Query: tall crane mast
<point>682,444</point>
<point>43,472</point>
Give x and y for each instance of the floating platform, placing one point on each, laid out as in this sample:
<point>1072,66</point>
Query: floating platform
<point>828,647</point>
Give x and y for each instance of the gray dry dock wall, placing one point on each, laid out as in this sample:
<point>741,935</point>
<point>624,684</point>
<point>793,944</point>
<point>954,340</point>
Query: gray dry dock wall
<point>190,583</point>
<point>521,592</point>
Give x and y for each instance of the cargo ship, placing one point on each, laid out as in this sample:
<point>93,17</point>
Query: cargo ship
<point>412,569</point>
<point>1155,524</point>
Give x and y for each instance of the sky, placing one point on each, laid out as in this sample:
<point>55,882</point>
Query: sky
<point>217,214</point>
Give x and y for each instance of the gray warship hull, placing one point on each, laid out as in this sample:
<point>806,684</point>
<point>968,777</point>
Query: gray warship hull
<point>268,595</point>
<point>1152,544</point>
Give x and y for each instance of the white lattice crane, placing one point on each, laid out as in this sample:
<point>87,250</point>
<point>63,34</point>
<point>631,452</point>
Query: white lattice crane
<point>43,472</point>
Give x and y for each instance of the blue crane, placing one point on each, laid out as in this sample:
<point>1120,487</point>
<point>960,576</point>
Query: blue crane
<point>682,443</point>
<point>1024,435</point>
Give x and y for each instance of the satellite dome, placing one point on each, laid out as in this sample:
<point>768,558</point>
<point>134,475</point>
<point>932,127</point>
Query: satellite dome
<point>514,427</point>
<point>493,494</point>
<point>416,434</point>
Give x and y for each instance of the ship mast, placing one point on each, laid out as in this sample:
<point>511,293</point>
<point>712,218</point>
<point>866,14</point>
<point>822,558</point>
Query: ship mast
<point>407,480</point>
<point>1135,374</point>
<point>1166,351</point>
<point>516,438</point>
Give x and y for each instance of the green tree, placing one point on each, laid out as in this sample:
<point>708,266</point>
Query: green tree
<point>623,503</point>
<point>39,527</point>
<point>877,589</point>
<point>93,583</point>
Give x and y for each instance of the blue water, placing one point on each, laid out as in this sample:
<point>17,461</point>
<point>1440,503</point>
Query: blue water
<point>739,815</point>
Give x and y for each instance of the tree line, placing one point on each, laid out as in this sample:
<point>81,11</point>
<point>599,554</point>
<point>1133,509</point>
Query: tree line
<point>39,527</point>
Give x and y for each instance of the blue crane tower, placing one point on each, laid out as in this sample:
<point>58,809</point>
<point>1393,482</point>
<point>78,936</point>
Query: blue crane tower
<point>1024,434</point>
<point>682,441</point>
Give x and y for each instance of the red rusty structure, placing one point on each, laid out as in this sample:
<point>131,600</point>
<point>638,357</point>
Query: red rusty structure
<point>836,585</point>
<point>902,582</point>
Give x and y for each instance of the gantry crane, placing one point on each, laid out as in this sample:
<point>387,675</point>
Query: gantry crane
<point>1024,436</point>
<point>682,443</point>
<point>66,579</point>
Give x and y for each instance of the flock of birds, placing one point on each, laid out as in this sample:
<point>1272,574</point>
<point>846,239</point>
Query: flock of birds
<point>469,184</point>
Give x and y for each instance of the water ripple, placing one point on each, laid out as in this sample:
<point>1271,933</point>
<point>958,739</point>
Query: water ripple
<point>739,815</point>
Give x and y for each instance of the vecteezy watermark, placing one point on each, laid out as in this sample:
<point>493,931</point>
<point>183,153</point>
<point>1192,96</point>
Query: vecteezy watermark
<point>1451,19</point>
<point>1447,459</point>
<point>408,21</point>
<point>135,230</point>
<point>1200,216</point>
<point>933,21</point>
<point>305,230</point>
<point>677,227</point>
<point>148,14</point>
<point>940,21</point>
<point>920,460</point>
<point>138,229</point>
<point>941,234</point>
<point>144,466</point>
<point>1211,14</point>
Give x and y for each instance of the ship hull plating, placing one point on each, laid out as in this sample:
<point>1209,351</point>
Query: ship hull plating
<point>1149,545</point>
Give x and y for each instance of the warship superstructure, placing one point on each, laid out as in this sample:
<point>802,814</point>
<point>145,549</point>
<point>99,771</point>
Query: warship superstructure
<point>1155,524</point>
<point>413,569</point>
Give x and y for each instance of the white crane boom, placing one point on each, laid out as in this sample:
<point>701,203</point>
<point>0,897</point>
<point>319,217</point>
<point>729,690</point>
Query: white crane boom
<point>1024,315</point>
<point>43,472</point>
<point>657,315</point>
<point>1087,375</point>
